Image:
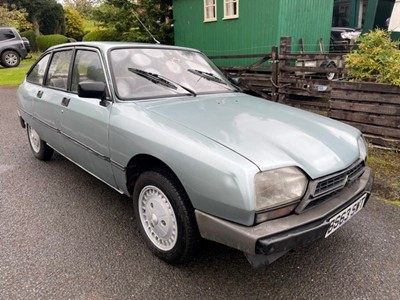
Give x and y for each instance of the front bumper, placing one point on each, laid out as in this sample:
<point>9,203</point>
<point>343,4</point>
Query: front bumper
<point>283,234</point>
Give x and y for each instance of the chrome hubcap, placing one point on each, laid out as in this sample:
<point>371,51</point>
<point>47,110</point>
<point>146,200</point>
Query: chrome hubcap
<point>158,218</point>
<point>11,59</point>
<point>34,139</point>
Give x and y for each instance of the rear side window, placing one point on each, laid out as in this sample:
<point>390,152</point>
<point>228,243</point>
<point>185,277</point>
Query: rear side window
<point>57,75</point>
<point>6,34</point>
<point>36,75</point>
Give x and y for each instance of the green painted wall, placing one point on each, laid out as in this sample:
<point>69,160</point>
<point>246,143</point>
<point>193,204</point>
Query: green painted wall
<point>260,25</point>
<point>307,19</point>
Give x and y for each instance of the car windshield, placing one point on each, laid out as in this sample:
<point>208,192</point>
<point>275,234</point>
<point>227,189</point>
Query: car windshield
<point>154,73</point>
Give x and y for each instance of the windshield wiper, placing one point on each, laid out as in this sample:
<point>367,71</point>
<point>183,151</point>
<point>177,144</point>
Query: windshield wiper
<point>207,76</point>
<point>158,79</point>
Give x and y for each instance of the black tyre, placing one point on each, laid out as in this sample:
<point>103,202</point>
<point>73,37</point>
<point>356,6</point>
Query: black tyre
<point>330,65</point>
<point>165,217</point>
<point>10,59</point>
<point>39,148</point>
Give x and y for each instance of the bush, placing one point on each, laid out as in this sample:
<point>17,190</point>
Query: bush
<point>73,24</point>
<point>376,59</point>
<point>30,35</point>
<point>135,36</point>
<point>46,41</point>
<point>102,35</point>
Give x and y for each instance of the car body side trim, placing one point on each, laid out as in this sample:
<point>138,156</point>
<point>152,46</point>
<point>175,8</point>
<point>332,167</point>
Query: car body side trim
<point>91,150</point>
<point>95,176</point>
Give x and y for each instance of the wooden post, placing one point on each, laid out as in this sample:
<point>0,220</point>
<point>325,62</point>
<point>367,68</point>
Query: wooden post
<point>275,75</point>
<point>285,48</point>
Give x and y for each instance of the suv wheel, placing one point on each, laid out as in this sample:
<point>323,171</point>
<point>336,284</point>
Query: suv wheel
<point>10,59</point>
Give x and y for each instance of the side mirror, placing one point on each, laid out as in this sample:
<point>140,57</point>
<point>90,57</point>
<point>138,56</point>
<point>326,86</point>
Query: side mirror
<point>95,89</point>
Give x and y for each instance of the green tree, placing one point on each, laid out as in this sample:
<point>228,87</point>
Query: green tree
<point>84,7</point>
<point>51,20</point>
<point>11,16</point>
<point>157,17</point>
<point>46,16</point>
<point>138,21</point>
<point>73,23</point>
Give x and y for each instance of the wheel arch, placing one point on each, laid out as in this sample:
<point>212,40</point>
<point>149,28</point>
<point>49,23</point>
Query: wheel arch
<point>144,162</point>
<point>10,49</point>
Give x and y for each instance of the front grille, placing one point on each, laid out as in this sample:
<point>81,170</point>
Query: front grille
<point>323,189</point>
<point>337,181</point>
<point>330,184</point>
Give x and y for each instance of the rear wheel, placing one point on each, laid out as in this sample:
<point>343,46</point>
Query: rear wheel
<point>39,148</point>
<point>10,59</point>
<point>165,217</point>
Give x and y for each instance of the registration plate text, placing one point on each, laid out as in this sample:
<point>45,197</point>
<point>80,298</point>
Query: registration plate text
<point>341,218</point>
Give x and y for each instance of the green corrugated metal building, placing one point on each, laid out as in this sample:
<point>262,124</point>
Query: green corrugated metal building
<point>223,27</point>
<point>220,27</point>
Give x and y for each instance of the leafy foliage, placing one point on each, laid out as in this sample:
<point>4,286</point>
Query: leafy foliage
<point>73,23</point>
<point>11,16</point>
<point>157,16</point>
<point>118,16</point>
<point>46,41</point>
<point>376,59</point>
<point>123,16</point>
<point>52,20</point>
<point>46,16</point>
<point>30,35</point>
<point>84,7</point>
<point>102,35</point>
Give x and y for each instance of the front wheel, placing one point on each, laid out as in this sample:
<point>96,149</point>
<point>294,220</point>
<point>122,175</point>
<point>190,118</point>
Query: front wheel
<point>165,217</point>
<point>39,148</point>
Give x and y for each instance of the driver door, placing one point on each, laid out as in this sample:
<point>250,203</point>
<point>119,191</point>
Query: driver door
<point>84,122</point>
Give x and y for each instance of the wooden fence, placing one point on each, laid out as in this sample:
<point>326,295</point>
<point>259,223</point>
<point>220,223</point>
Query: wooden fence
<point>372,108</point>
<point>287,78</point>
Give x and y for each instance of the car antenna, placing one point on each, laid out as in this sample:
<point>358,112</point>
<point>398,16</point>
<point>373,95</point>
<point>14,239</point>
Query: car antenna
<point>152,36</point>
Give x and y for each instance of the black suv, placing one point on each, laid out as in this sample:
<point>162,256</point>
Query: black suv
<point>13,48</point>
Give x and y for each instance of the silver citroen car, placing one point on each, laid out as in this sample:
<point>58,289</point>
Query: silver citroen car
<point>199,158</point>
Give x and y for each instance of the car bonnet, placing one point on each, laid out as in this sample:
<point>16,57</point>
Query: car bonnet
<point>270,135</point>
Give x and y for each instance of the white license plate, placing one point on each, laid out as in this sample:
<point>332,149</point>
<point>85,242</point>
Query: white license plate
<point>341,218</point>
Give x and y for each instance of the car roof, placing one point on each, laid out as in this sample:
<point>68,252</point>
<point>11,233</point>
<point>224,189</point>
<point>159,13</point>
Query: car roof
<point>7,27</point>
<point>105,46</point>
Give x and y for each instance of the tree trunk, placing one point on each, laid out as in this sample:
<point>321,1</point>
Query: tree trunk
<point>35,24</point>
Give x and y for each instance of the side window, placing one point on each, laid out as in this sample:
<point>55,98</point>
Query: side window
<point>87,67</point>
<point>231,9</point>
<point>210,10</point>
<point>6,34</point>
<point>36,75</point>
<point>57,76</point>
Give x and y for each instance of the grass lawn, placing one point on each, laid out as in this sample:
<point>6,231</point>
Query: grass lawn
<point>386,164</point>
<point>14,76</point>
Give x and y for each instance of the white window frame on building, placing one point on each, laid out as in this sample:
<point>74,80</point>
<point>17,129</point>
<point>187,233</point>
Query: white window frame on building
<point>210,10</point>
<point>231,9</point>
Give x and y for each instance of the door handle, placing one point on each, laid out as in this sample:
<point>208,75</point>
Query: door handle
<point>39,94</point>
<point>65,101</point>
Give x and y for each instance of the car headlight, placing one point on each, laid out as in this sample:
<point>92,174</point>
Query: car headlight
<point>278,187</point>
<point>362,147</point>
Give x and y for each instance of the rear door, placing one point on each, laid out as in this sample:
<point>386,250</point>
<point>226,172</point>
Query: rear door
<point>48,98</point>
